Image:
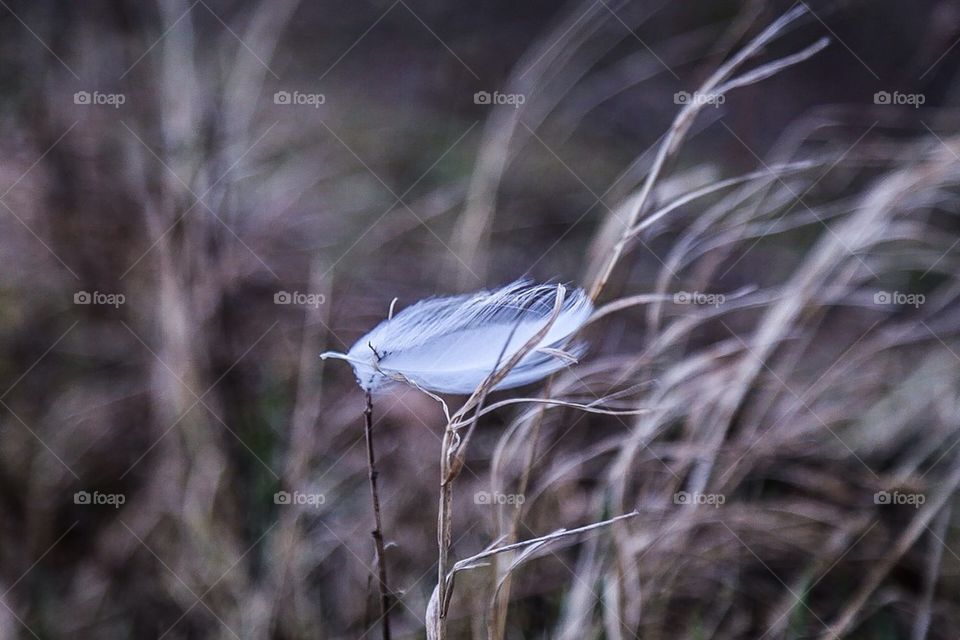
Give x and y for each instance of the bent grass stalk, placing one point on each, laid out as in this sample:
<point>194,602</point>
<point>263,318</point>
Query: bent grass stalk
<point>719,83</point>
<point>451,463</point>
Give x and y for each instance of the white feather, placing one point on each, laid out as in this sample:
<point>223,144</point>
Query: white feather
<point>450,345</point>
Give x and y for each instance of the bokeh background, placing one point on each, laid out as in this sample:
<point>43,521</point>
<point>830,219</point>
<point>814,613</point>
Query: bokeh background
<point>198,197</point>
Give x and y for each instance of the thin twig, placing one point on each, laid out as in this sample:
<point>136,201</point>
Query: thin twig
<point>529,548</point>
<point>378,530</point>
<point>467,563</point>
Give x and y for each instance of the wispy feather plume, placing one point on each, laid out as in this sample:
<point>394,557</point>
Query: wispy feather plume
<point>451,345</point>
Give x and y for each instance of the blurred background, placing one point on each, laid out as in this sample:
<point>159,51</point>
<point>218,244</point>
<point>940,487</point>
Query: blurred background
<point>198,197</point>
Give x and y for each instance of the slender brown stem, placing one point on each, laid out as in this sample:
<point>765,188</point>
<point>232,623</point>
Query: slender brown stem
<point>444,533</point>
<point>378,530</point>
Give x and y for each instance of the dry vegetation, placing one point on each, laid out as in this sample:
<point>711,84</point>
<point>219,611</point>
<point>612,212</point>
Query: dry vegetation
<point>772,393</point>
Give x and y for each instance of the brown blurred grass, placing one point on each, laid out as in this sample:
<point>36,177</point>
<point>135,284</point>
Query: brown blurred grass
<point>796,398</point>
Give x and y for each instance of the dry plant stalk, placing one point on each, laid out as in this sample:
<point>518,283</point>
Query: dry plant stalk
<point>717,84</point>
<point>377,532</point>
<point>451,464</point>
